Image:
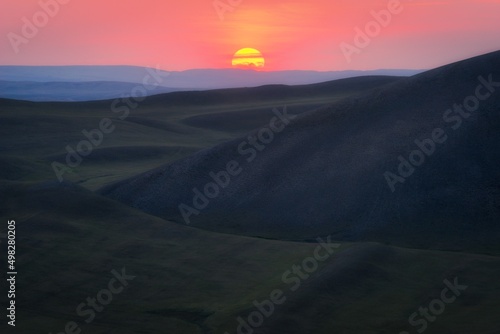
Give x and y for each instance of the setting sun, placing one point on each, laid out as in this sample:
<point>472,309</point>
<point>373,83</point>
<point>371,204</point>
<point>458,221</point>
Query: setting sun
<point>248,58</point>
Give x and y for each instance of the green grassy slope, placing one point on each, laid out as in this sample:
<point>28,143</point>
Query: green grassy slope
<point>192,281</point>
<point>159,130</point>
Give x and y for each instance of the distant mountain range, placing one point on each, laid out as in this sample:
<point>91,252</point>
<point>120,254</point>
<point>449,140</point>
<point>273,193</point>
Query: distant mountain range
<point>70,91</point>
<point>86,83</point>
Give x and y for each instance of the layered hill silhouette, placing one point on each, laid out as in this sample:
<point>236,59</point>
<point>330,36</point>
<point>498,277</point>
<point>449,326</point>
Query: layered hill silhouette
<point>195,79</point>
<point>346,169</point>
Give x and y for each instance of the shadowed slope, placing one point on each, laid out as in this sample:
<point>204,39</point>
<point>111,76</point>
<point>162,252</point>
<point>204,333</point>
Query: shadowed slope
<point>325,172</point>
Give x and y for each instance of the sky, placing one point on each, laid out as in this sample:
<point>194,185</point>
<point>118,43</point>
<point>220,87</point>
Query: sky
<point>176,35</point>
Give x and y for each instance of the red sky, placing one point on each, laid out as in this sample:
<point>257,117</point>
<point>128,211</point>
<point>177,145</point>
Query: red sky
<point>291,34</point>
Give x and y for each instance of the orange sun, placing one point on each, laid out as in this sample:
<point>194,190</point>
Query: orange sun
<point>248,58</point>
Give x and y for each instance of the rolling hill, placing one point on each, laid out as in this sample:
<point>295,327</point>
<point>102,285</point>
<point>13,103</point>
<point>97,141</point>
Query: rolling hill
<point>189,281</point>
<point>341,139</point>
<point>333,170</point>
<point>160,129</point>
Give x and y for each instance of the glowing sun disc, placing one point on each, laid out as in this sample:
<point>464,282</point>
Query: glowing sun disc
<point>248,58</point>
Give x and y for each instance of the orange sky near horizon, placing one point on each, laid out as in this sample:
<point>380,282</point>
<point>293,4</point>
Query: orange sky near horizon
<point>291,34</point>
